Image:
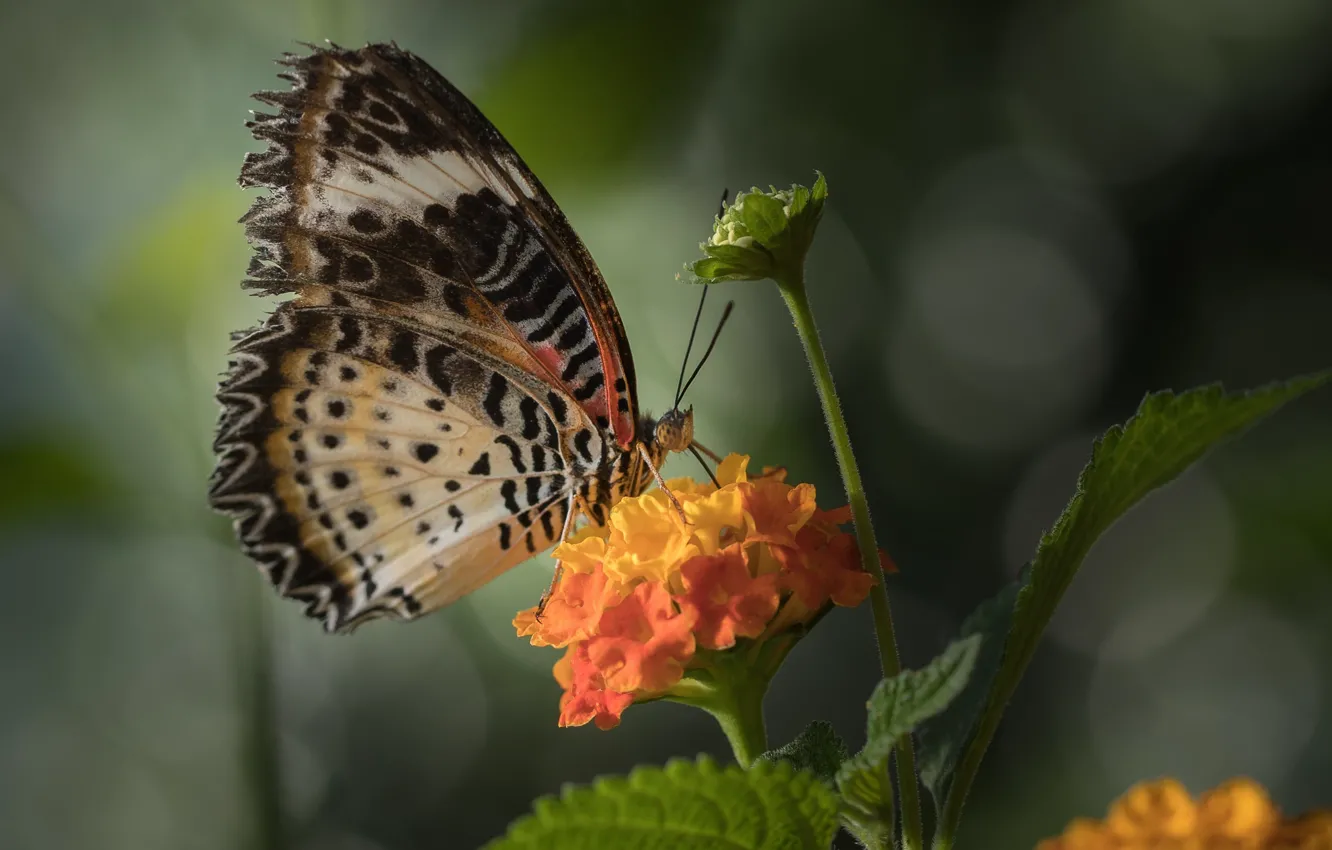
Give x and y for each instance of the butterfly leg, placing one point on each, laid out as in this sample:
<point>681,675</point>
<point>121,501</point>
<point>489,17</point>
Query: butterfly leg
<point>569,512</point>
<point>647,458</point>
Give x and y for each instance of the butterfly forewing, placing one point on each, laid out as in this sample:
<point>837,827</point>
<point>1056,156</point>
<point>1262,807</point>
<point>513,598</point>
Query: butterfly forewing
<point>451,370</point>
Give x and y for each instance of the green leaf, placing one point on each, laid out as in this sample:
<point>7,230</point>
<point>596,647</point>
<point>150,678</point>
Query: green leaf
<point>763,216</point>
<point>943,737</point>
<point>685,806</point>
<point>897,706</point>
<point>1167,435</point>
<point>736,255</point>
<point>818,749</point>
<point>710,270</point>
<point>809,207</point>
<point>819,193</point>
<point>900,704</point>
<point>867,797</point>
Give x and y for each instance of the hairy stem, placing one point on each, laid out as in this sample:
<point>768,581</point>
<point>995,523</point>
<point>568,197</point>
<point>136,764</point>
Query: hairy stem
<point>742,721</point>
<point>793,291</point>
<point>731,689</point>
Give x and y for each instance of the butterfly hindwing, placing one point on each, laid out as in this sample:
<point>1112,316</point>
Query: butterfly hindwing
<point>370,481</point>
<point>451,371</point>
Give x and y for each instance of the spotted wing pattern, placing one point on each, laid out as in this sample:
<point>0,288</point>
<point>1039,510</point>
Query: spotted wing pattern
<point>451,372</point>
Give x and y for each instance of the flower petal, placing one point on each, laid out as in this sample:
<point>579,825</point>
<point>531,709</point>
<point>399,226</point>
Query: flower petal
<point>643,642</point>
<point>585,696</point>
<point>818,569</point>
<point>775,512</point>
<point>648,540</point>
<point>572,611</point>
<point>727,600</point>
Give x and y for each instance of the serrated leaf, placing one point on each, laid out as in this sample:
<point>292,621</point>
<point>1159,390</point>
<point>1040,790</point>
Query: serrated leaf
<point>763,216</point>
<point>1165,437</point>
<point>685,806</point>
<point>819,193</point>
<point>799,200</point>
<point>867,795</point>
<point>805,218</point>
<point>818,750</point>
<point>942,738</point>
<point>900,704</point>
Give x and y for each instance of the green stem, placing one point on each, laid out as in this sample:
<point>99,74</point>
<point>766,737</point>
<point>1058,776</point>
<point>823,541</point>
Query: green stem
<point>743,724</point>
<point>793,291</point>
<point>732,692</point>
<point>965,774</point>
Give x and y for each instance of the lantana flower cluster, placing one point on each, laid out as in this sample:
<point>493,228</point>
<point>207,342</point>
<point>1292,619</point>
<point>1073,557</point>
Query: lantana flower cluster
<point>648,596</point>
<point>1161,815</point>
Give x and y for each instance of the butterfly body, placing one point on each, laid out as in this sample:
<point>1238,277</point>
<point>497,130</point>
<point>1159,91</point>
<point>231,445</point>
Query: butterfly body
<point>450,382</point>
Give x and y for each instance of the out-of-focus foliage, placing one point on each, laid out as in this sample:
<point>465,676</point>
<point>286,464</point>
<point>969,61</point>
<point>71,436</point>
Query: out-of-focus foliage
<point>1041,210</point>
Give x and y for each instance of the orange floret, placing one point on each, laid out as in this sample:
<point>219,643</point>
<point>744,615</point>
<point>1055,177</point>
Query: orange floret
<point>726,598</point>
<point>644,642</point>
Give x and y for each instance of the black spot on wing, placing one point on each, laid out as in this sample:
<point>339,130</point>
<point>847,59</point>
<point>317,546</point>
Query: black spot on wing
<point>509,490</point>
<point>515,451</point>
<point>528,407</point>
<point>425,451</point>
<point>349,334</point>
<point>437,368</point>
<point>482,465</point>
<point>403,353</point>
<point>493,403</point>
<point>558,407</point>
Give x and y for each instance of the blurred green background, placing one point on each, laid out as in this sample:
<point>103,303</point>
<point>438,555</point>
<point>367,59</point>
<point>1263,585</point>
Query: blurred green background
<point>1039,211</point>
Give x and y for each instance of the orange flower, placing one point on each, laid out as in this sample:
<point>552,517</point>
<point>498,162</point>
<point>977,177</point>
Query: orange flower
<point>1161,815</point>
<point>726,598</point>
<point>572,612</point>
<point>824,564</point>
<point>775,514</point>
<point>643,642</point>
<point>639,597</point>
<point>586,697</point>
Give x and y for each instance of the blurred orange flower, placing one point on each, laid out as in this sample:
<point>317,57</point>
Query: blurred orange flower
<point>1161,815</point>
<point>640,597</point>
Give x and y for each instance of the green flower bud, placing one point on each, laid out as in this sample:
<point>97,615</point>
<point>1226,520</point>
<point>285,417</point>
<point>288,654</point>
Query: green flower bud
<point>763,235</point>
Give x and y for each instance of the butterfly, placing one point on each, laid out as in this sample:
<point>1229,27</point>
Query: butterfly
<point>450,385</point>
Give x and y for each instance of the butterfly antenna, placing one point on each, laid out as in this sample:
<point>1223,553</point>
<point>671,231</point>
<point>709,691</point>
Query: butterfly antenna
<point>726,314</point>
<point>684,366</point>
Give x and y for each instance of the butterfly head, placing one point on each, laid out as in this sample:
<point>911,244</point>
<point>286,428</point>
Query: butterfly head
<point>674,431</point>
